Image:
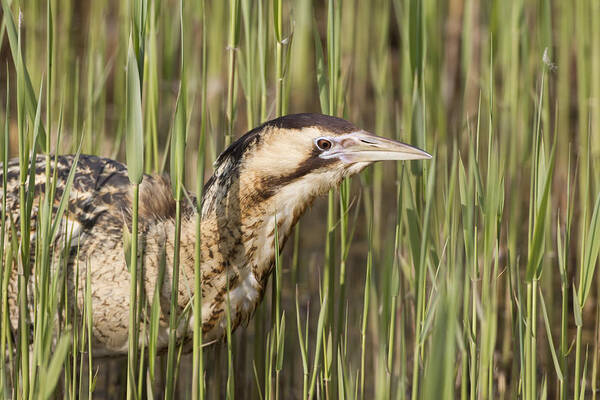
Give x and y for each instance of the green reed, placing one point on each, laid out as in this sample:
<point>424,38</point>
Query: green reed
<point>482,266</point>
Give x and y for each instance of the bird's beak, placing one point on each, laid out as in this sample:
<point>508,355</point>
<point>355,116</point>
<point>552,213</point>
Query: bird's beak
<point>363,146</point>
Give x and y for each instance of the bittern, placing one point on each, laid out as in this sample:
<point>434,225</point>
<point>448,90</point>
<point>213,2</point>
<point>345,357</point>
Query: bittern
<point>268,176</point>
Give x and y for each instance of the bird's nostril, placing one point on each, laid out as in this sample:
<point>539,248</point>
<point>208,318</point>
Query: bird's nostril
<point>366,141</point>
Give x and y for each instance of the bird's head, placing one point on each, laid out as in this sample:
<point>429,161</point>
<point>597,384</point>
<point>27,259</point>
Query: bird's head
<point>305,155</point>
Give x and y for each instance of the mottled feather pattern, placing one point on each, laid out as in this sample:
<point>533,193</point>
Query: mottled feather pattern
<point>99,209</point>
<point>269,176</point>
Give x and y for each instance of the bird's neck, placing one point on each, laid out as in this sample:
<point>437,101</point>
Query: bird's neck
<point>240,218</point>
<point>241,215</point>
<point>238,229</point>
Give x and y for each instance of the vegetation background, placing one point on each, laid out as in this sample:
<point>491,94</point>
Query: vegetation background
<point>470,275</point>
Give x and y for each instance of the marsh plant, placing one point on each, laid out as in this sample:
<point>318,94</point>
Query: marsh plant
<point>472,275</point>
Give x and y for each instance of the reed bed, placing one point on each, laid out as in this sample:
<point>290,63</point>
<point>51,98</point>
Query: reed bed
<point>472,275</point>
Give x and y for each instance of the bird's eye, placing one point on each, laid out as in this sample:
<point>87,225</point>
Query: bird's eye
<point>323,144</point>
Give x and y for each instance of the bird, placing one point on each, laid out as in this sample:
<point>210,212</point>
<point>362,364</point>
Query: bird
<point>261,185</point>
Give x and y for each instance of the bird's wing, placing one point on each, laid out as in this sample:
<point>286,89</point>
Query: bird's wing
<point>99,204</point>
<point>98,199</point>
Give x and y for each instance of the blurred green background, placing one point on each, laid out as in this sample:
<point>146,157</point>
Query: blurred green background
<point>477,277</point>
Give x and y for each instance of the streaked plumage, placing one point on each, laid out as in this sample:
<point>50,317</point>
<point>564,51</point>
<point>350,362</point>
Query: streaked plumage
<point>273,173</point>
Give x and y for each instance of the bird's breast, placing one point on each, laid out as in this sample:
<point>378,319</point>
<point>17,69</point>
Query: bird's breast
<point>243,299</point>
<point>235,275</point>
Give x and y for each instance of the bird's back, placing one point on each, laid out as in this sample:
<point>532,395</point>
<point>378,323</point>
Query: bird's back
<point>99,195</point>
<point>99,199</point>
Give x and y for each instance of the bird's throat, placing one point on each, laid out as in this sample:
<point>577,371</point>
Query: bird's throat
<point>238,246</point>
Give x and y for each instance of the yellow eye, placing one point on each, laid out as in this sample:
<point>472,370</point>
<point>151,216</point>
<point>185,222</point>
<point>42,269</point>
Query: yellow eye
<point>323,144</point>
